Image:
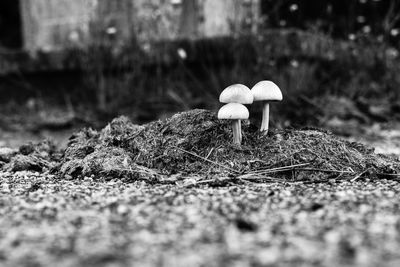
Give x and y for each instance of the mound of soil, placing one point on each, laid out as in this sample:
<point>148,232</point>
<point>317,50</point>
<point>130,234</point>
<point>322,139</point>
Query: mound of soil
<point>196,144</point>
<point>39,157</point>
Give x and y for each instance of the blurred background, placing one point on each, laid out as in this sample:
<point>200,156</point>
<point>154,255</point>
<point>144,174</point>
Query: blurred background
<point>65,64</point>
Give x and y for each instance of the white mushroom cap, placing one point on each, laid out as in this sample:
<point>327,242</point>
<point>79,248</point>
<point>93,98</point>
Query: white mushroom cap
<point>233,111</point>
<point>236,93</point>
<point>266,91</point>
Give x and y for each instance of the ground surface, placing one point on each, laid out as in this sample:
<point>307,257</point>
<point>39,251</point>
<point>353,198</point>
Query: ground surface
<point>48,222</point>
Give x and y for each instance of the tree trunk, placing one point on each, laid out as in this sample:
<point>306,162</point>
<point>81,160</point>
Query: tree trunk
<point>189,19</point>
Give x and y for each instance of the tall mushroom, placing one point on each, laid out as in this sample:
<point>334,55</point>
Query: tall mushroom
<point>234,112</point>
<point>266,92</point>
<point>237,93</point>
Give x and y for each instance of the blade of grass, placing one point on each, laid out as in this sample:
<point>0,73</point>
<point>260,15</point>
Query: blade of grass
<point>278,169</point>
<point>324,170</point>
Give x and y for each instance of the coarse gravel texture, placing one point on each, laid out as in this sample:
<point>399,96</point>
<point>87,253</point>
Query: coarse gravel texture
<point>46,221</point>
<point>175,192</point>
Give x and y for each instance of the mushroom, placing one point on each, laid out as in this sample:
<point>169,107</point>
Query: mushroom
<point>234,112</point>
<point>266,91</point>
<point>236,93</point>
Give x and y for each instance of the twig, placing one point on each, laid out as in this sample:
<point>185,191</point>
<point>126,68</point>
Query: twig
<point>315,181</point>
<point>269,178</point>
<point>210,161</point>
<point>243,179</point>
<point>359,175</point>
<point>279,169</point>
<point>324,170</point>
<point>216,180</point>
<point>206,181</point>
<point>256,174</point>
<point>209,153</point>
<point>389,174</point>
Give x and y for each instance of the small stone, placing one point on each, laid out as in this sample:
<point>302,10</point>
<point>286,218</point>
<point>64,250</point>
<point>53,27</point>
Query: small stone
<point>6,154</point>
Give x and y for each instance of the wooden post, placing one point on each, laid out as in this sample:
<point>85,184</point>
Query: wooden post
<point>59,24</point>
<point>189,19</point>
<point>29,27</point>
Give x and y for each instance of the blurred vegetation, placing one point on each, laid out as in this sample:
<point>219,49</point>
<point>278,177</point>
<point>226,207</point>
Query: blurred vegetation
<point>332,59</point>
<point>319,75</point>
<point>337,18</point>
<point>10,24</point>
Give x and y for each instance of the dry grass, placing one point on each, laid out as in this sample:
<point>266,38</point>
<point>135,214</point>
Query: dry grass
<point>195,143</point>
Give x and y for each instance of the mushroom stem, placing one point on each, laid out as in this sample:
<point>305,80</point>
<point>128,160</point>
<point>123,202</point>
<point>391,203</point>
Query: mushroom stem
<point>265,118</point>
<point>240,131</point>
<point>236,132</point>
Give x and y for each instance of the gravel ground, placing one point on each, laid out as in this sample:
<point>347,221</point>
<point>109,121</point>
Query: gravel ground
<point>50,222</point>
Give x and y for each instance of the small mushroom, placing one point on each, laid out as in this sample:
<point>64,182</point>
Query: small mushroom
<point>234,112</point>
<point>237,93</point>
<point>266,91</point>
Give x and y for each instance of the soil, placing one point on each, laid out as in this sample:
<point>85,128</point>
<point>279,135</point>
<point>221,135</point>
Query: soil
<point>196,144</point>
<point>384,137</point>
<point>177,192</point>
<point>46,221</point>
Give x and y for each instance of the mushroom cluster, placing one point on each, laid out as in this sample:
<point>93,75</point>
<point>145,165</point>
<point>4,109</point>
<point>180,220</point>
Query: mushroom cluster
<point>235,96</point>
<point>238,95</point>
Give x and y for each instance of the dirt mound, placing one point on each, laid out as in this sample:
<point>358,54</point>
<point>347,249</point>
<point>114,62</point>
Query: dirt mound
<point>39,157</point>
<point>198,145</point>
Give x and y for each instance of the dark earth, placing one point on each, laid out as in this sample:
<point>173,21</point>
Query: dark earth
<point>176,192</point>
